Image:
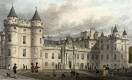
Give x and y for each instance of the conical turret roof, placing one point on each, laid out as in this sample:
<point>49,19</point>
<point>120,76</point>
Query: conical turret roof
<point>102,34</point>
<point>115,29</point>
<point>12,13</point>
<point>124,33</point>
<point>36,16</point>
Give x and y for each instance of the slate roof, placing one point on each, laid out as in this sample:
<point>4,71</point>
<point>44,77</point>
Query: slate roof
<point>115,29</point>
<point>12,13</point>
<point>124,33</point>
<point>36,16</point>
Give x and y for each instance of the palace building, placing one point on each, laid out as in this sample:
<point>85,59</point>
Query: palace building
<point>22,42</point>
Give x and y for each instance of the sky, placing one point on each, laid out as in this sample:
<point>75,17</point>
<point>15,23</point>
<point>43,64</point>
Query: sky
<point>70,17</point>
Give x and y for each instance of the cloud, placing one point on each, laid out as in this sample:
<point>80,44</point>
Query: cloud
<point>76,16</point>
<point>64,17</point>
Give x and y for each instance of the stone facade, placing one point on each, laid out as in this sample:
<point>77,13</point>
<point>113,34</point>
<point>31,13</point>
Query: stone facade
<point>22,42</point>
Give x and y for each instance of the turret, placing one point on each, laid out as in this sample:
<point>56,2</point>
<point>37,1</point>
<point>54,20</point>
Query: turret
<point>11,37</point>
<point>12,13</point>
<point>36,21</point>
<point>36,39</point>
<point>115,32</point>
<point>92,31</point>
<point>124,34</point>
<point>12,18</point>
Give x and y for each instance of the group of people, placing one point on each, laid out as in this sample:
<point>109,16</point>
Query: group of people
<point>106,71</point>
<point>14,70</point>
<point>34,68</point>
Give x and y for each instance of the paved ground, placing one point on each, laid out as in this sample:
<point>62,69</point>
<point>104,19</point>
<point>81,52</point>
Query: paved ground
<point>45,75</point>
<point>19,77</point>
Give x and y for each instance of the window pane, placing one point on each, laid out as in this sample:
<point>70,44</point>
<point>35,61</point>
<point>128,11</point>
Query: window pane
<point>46,63</point>
<point>9,37</point>
<point>52,55</point>
<point>9,52</point>
<point>40,40</point>
<point>24,52</point>
<point>46,55</point>
<point>59,56</point>
<point>82,57</point>
<point>40,53</point>
<point>24,39</point>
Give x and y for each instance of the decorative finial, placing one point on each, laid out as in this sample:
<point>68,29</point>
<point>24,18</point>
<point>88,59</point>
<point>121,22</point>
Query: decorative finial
<point>12,2</point>
<point>36,7</point>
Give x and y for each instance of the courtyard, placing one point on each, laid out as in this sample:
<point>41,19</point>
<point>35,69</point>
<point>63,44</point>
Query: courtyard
<point>48,75</point>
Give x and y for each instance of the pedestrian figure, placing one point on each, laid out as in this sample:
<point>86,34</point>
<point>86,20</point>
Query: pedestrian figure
<point>77,76</point>
<point>97,72</point>
<point>14,70</point>
<point>9,67</point>
<point>63,76</point>
<point>32,67</point>
<point>26,67</point>
<point>104,72</point>
<point>23,67</point>
<point>36,67</point>
<point>54,73</point>
<point>107,70</point>
<point>8,74</point>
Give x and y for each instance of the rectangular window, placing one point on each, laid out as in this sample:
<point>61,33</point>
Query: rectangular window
<point>40,40</point>
<point>107,47</point>
<point>102,57</point>
<point>53,64</point>
<point>9,37</point>
<point>46,55</point>
<point>102,47</point>
<point>59,56</point>
<point>82,56</point>
<point>46,63</point>
<point>115,57</point>
<point>87,56</point>
<point>24,52</point>
<point>92,57</point>
<point>14,27</point>
<point>97,57</point>
<point>107,57</point>
<point>9,52</point>
<point>24,39</point>
<point>52,55</point>
<point>40,53</point>
<point>77,56</point>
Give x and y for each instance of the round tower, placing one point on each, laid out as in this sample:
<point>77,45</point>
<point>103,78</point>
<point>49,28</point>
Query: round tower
<point>11,37</point>
<point>36,39</point>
